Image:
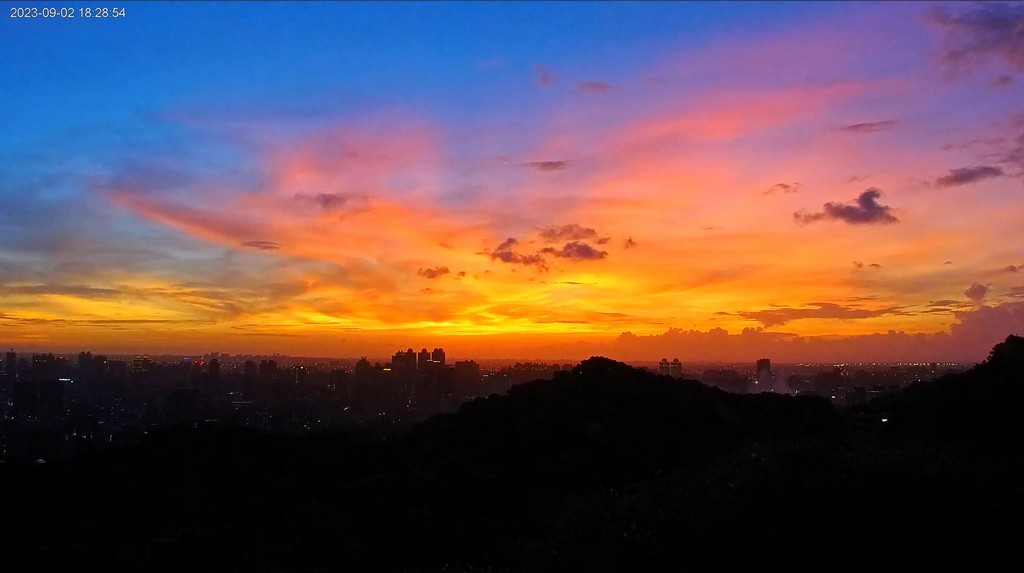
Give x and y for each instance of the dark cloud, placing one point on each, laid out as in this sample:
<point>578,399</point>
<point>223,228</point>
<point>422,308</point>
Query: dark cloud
<point>570,232</point>
<point>330,201</point>
<point>262,245</point>
<point>629,244</point>
<point>875,266</point>
<point>462,274</point>
<point>575,247</point>
<point>559,165</point>
<point>545,77</point>
<point>864,211</point>
<point>711,228</point>
<point>1016,292</point>
<point>433,273</point>
<point>870,127</point>
<point>948,263</point>
<point>782,188</point>
<point>505,254</point>
<point>855,179</point>
<point>1013,268</point>
<point>858,264</point>
<point>1002,82</point>
<point>594,87</point>
<point>976,292</point>
<point>576,251</point>
<point>982,32</point>
<point>780,316</point>
<point>965,175</point>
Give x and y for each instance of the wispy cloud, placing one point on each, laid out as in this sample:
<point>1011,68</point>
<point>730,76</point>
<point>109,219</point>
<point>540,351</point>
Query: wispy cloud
<point>967,175</point>
<point>331,201</point>
<point>869,127</point>
<point>782,188</point>
<point>545,77</point>
<point>557,165</point>
<point>262,245</point>
<point>981,32</point>
<point>780,316</point>
<point>569,232</point>
<point>594,87</point>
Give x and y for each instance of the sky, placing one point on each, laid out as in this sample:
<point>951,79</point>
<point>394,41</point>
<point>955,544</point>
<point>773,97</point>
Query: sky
<point>807,181</point>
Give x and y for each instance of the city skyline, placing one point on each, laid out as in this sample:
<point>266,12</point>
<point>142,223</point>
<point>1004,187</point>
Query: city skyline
<point>809,182</point>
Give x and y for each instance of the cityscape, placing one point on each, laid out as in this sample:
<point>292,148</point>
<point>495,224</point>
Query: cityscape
<point>56,407</point>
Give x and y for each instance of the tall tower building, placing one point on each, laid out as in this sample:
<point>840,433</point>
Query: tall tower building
<point>765,376</point>
<point>675,368</point>
<point>424,358</point>
<point>437,356</point>
<point>11,367</point>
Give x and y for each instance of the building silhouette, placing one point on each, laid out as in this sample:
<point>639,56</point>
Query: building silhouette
<point>765,379</point>
<point>673,369</point>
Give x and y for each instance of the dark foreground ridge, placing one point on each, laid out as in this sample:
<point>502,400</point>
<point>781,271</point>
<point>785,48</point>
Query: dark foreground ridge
<point>604,468</point>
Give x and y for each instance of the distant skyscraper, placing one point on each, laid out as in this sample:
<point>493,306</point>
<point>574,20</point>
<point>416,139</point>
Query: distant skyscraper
<point>424,358</point>
<point>11,367</point>
<point>437,356</point>
<point>403,364</point>
<point>765,376</point>
<point>673,369</point>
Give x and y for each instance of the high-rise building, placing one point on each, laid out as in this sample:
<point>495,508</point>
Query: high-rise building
<point>11,369</point>
<point>437,356</point>
<point>403,361</point>
<point>765,376</point>
<point>424,358</point>
<point>673,369</point>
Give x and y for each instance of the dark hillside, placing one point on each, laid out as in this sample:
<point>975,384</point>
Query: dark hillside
<point>604,468</point>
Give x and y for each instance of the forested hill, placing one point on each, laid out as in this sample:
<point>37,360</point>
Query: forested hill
<point>980,407</point>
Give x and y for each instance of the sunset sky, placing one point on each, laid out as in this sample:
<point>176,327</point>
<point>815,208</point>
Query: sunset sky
<point>805,181</point>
